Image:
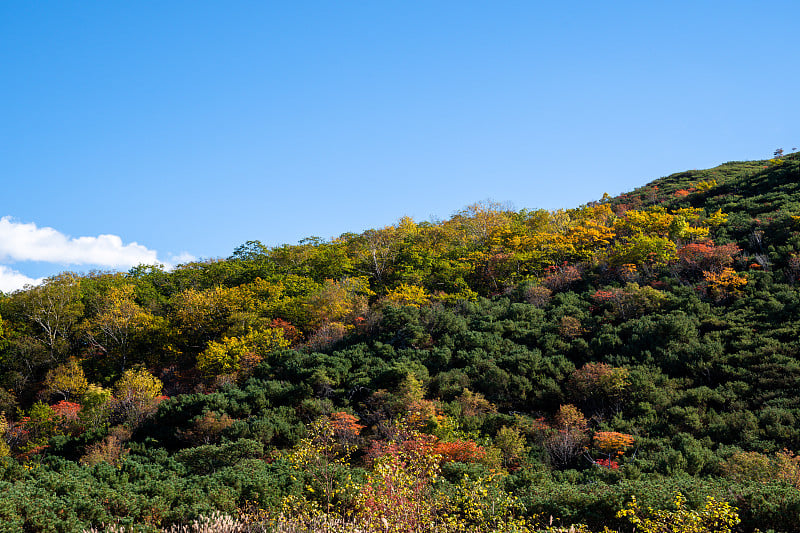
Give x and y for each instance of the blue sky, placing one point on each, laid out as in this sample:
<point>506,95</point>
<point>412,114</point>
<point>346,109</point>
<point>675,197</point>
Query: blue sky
<point>160,131</point>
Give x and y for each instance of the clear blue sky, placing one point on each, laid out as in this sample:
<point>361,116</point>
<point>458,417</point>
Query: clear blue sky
<point>192,127</point>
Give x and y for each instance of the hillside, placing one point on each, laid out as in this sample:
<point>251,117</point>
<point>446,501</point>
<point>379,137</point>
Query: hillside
<point>483,373</point>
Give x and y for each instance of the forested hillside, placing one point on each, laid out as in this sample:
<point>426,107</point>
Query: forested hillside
<point>500,370</point>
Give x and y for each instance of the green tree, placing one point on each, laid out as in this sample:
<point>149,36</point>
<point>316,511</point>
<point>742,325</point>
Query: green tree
<point>54,309</point>
<point>512,445</point>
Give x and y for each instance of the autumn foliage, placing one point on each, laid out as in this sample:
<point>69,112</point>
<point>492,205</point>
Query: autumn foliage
<point>612,442</point>
<point>499,370</point>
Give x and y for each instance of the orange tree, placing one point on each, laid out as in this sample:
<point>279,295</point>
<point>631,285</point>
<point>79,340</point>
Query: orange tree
<point>611,444</point>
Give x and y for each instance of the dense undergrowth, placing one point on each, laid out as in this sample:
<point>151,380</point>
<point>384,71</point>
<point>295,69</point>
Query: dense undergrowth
<point>632,363</point>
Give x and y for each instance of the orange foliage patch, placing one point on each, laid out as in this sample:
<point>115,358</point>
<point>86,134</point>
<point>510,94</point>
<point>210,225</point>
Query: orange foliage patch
<point>463,451</point>
<point>611,442</point>
<point>725,283</point>
<point>418,445</point>
<point>290,333</point>
<point>345,424</point>
<point>698,256</point>
<point>421,444</point>
<point>67,410</point>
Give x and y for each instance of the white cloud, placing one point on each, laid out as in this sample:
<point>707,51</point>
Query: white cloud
<point>21,241</point>
<point>179,259</point>
<point>11,280</point>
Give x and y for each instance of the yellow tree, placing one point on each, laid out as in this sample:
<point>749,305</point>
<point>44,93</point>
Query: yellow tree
<point>325,458</point>
<point>654,222</point>
<point>136,395</point>
<point>405,294</point>
<point>4,449</point>
<point>688,224</point>
<point>724,284</point>
<point>645,250</point>
<point>257,303</point>
<point>705,186</point>
<point>480,221</point>
<point>716,516</point>
<point>66,380</point>
<point>119,320</point>
<point>227,355</point>
<point>208,314</point>
<point>338,301</point>
<point>716,219</point>
<point>589,238</point>
<point>581,234</point>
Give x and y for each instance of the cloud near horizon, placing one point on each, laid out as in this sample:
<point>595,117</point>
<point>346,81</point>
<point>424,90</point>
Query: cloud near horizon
<point>11,280</point>
<point>25,241</point>
<point>20,241</point>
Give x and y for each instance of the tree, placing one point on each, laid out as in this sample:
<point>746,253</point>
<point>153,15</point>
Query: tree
<point>227,355</point>
<point>597,383</point>
<point>561,277</point>
<point>346,429</point>
<point>136,395</point>
<point>612,444</point>
<point>538,295</point>
<point>338,301</point>
<point>55,308</point>
<point>475,404</point>
<point>207,428</point>
<point>66,380</point>
<point>250,251</point>
<point>204,315</point>
<point>378,249</point>
<point>570,437</point>
<point>405,294</point>
<point>655,251</point>
<point>4,449</point>
<point>629,301</point>
<point>724,284</point>
<point>40,425</point>
<point>570,327</point>
<point>110,450</point>
<point>398,493</point>
<point>705,186</point>
<point>480,221</point>
<point>512,445</point>
<point>119,320</point>
<point>654,222</point>
<point>96,406</point>
<point>324,457</point>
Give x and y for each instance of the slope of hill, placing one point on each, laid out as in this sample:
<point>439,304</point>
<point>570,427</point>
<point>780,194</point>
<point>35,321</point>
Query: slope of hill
<point>496,369</point>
